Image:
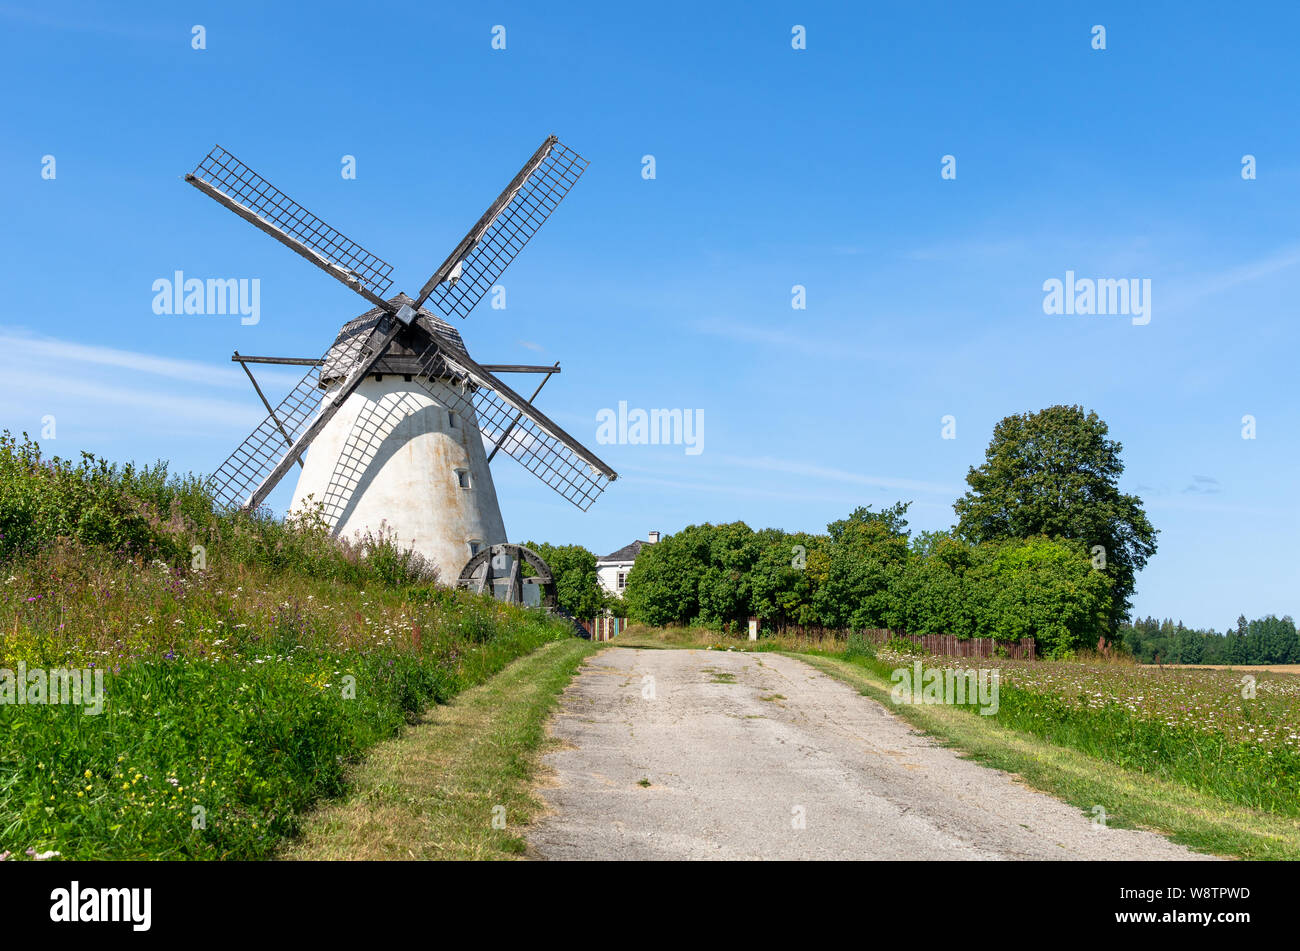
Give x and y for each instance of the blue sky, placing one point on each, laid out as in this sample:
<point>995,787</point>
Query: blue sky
<point>774,167</point>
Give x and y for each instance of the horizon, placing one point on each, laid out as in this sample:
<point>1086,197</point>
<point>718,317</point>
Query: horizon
<point>776,168</point>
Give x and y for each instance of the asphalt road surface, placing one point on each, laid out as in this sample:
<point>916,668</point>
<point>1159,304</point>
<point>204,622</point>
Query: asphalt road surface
<point>736,755</point>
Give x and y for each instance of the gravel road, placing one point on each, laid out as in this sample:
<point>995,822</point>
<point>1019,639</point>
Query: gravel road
<point>759,756</point>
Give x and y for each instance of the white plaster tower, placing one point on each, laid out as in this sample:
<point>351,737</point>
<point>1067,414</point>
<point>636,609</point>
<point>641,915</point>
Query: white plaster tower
<point>399,453</point>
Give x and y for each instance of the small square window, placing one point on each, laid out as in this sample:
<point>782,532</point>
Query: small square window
<point>474,546</point>
<point>462,478</point>
<point>453,421</point>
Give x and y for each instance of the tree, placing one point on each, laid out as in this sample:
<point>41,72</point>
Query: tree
<point>933,588</point>
<point>663,586</point>
<point>577,586</point>
<point>867,554</point>
<point>1042,588</point>
<point>1055,473</point>
<point>785,578</point>
<point>726,584</point>
<point>1272,640</point>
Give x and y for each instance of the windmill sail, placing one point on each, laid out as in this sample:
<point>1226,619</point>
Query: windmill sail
<point>245,478</point>
<point>437,362</point>
<point>497,238</point>
<point>230,182</point>
<point>514,426</point>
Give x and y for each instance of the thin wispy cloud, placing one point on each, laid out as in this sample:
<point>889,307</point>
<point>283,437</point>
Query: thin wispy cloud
<point>805,342</point>
<point>1203,485</point>
<point>34,387</point>
<point>806,471</point>
<point>33,350</point>
<point>95,384</point>
<point>1284,259</point>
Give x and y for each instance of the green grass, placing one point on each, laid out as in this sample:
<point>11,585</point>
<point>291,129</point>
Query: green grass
<point>241,684</point>
<point>196,758</point>
<point>433,792</point>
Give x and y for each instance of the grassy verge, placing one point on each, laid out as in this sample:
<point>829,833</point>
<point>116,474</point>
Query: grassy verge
<point>433,792</point>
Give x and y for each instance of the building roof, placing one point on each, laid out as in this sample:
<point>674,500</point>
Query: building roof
<point>626,553</point>
<point>403,354</point>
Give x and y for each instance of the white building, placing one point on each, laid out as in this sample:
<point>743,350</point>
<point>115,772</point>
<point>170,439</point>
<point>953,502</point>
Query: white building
<point>612,570</point>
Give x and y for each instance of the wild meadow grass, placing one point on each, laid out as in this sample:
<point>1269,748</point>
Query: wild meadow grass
<point>1207,729</point>
<point>239,685</point>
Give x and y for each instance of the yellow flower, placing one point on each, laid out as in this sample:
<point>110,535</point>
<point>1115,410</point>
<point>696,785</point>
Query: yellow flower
<point>126,785</point>
<point>87,774</point>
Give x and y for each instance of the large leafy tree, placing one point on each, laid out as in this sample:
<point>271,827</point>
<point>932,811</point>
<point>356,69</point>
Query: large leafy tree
<point>726,585</point>
<point>663,586</point>
<point>576,585</point>
<point>1056,473</point>
<point>785,577</point>
<point>867,554</point>
<point>1042,588</point>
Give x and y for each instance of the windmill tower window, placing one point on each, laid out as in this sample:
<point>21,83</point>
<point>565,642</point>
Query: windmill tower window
<point>453,421</point>
<point>462,478</point>
<point>474,545</point>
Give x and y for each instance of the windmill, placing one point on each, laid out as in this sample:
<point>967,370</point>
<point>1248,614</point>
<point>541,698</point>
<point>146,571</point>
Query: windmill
<point>398,415</point>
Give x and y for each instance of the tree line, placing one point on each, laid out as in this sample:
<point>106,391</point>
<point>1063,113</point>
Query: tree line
<point>1266,640</point>
<point>1045,545</point>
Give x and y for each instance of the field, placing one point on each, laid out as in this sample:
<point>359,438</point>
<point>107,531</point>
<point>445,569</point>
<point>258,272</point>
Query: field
<point>1248,668</point>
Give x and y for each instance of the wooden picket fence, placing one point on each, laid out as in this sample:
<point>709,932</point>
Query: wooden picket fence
<point>950,646</point>
<point>941,644</point>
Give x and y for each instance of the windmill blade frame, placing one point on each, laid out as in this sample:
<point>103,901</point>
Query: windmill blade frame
<point>258,464</point>
<point>229,182</point>
<point>496,239</point>
<point>516,427</point>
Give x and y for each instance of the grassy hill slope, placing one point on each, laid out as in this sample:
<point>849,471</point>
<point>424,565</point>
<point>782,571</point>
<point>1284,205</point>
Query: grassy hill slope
<point>246,662</point>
